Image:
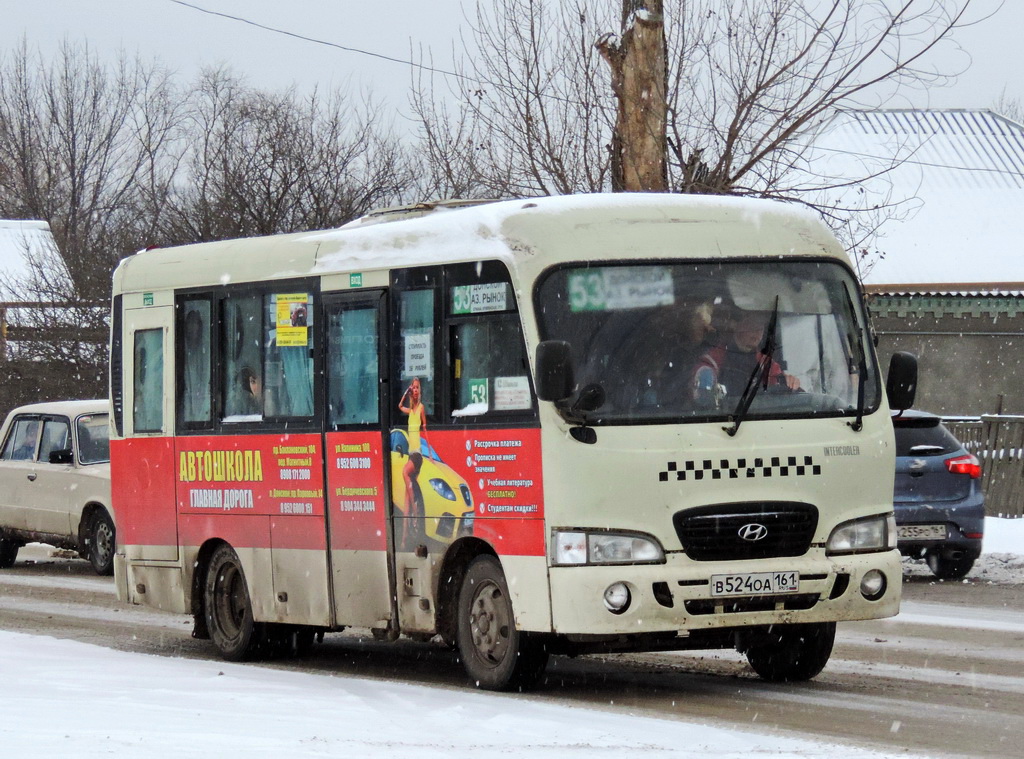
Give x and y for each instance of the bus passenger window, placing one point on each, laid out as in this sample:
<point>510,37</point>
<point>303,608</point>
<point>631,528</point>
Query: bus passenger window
<point>490,369</point>
<point>194,350</point>
<point>147,384</point>
<point>243,359</point>
<point>416,352</point>
<point>352,369</point>
<point>288,360</point>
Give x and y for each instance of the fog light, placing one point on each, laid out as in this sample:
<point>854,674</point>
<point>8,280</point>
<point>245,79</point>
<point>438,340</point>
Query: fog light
<point>617,598</point>
<point>872,585</point>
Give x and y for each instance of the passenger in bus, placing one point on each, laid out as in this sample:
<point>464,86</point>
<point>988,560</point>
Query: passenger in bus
<point>690,337</point>
<point>732,364</point>
<point>411,404</point>
<point>252,389</point>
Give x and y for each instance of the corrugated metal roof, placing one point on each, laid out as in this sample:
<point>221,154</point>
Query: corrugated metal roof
<point>956,180</point>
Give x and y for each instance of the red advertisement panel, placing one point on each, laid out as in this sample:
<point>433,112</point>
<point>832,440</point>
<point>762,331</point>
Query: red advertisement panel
<point>142,489</point>
<point>356,494</point>
<point>484,482</point>
<point>253,474</point>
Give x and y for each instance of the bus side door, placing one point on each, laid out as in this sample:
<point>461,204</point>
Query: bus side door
<point>355,448</point>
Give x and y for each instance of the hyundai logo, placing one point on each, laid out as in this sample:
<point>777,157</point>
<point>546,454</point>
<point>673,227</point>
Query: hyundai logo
<point>753,532</point>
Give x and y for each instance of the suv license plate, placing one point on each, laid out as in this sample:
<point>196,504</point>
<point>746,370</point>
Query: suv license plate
<point>755,584</point>
<point>921,532</point>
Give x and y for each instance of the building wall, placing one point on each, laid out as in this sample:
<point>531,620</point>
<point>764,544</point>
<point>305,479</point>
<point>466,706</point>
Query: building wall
<point>970,349</point>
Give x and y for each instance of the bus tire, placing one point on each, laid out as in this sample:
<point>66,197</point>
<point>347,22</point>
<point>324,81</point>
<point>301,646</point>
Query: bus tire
<point>8,552</point>
<point>495,654</point>
<point>228,609</point>
<point>101,543</point>
<point>792,653</point>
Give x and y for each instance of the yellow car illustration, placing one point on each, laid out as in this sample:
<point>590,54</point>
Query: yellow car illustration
<point>442,508</point>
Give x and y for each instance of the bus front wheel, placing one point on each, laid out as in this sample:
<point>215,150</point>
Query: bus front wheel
<point>792,653</point>
<point>227,607</point>
<point>495,654</point>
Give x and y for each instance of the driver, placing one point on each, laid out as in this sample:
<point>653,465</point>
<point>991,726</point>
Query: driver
<point>733,362</point>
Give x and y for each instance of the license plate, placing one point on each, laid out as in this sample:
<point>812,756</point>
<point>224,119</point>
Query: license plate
<point>755,584</point>
<point>921,532</point>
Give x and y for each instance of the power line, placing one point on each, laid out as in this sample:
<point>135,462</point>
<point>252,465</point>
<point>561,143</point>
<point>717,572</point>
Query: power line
<point>316,41</point>
<point>391,59</point>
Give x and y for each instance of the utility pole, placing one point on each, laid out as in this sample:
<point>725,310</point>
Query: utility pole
<point>639,77</point>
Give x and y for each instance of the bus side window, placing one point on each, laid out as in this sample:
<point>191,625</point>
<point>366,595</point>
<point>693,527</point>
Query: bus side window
<point>288,360</point>
<point>352,367</point>
<point>489,367</point>
<point>416,351</point>
<point>194,352</point>
<point>147,382</point>
<point>243,358</point>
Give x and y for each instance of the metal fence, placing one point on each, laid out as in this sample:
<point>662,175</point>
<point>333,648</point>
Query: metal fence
<point>998,441</point>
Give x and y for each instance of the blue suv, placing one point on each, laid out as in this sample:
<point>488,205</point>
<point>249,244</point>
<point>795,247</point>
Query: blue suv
<point>940,510</point>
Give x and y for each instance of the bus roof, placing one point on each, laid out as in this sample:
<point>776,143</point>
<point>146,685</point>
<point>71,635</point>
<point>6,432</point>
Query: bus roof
<point>565,228</point>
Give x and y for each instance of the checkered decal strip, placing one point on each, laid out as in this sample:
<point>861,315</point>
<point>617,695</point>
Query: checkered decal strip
<point>708,469</point>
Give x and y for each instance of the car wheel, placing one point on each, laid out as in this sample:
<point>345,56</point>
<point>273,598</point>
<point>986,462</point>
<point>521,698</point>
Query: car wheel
<point>495,654</point>
<point>8,553</point>
<point>948,569</point>
<point>101,543</point>
<point>228,608</point>
<point>792,653</point>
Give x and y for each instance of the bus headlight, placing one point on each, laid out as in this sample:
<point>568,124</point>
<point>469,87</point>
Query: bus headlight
<point>863,535</point>
<point>580,547</point>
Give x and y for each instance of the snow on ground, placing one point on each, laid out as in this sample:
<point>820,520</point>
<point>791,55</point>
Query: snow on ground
<point>169,707</point>
<point>64,698</point>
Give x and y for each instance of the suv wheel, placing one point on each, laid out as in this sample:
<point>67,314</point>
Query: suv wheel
<point>948,569</point>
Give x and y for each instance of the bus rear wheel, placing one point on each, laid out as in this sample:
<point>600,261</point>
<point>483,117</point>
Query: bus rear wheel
<point>495,654</point>
<point>228,608</point>
<point>792,653</point>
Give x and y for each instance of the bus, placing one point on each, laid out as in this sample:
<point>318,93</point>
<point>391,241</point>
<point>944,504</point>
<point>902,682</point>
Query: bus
<point>552,426</point>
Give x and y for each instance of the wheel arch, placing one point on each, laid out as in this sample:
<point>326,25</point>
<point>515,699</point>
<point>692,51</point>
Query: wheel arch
<point>449,580</point>
<point>197,602</point>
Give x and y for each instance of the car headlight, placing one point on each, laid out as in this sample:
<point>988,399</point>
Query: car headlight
<point>863,535</point>
<point>580,547</point>
<point>443,489</point>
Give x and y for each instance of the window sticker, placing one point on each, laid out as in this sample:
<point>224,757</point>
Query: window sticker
<point>512,393</point>
<point>480,299</point>
<point>292,320</point>
<point>417,356</point>
<point>616,288</point>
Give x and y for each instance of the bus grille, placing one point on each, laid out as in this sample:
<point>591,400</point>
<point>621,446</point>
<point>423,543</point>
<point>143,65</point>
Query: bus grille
<point>753,530</point>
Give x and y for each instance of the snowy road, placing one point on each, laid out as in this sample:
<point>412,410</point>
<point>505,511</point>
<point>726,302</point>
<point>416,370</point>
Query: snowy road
<point>946,678</point>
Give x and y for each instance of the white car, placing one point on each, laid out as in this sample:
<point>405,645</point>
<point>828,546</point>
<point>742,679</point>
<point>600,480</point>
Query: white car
<point>55,481</point>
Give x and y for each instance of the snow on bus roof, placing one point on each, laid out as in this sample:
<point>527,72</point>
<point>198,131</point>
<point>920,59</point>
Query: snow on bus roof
<point>433,233</point>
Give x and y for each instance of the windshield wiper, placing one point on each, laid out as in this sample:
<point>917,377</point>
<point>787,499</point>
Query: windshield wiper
<point>762,371</point>
<point>856,337</point>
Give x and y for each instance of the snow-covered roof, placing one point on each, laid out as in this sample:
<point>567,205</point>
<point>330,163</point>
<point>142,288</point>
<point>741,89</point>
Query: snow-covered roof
<point>957,191</point>
<point>19,241</point>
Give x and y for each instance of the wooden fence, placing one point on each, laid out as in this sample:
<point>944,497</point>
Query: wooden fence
<point>998,442</point>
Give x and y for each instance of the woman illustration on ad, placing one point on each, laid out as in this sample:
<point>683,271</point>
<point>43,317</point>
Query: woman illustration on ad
<point>411,404</point>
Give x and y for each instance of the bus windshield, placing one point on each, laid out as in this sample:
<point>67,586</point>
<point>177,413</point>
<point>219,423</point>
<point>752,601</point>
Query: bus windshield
<point>710,340</point>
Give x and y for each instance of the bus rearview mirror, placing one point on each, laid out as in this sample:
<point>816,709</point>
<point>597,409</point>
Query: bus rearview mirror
<point>901,384</point>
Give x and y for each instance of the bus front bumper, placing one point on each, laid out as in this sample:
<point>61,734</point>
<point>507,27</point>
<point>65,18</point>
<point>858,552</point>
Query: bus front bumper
<point>678,595</point>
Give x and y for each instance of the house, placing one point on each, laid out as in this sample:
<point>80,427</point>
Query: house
<point>945,276</point>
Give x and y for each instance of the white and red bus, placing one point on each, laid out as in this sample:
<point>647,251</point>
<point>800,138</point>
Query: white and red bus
<point>553,426</point>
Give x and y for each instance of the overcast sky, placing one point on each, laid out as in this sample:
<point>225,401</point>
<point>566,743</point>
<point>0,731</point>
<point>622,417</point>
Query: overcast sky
<point>186,39</point>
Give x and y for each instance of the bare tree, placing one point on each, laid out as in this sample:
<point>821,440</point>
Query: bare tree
<point>261,163</point>
<point>81,146</point>
<point>750,83</point>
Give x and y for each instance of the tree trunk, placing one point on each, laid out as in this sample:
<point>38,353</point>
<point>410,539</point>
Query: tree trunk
<point>639,80</point>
